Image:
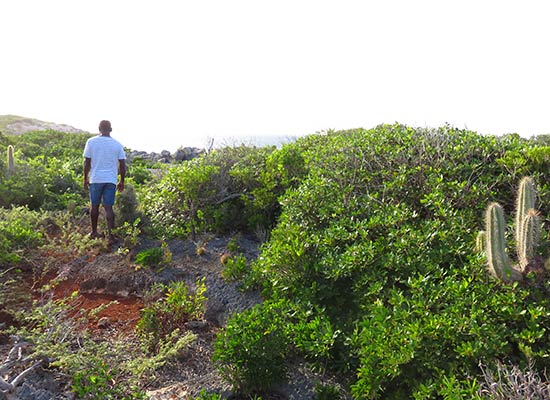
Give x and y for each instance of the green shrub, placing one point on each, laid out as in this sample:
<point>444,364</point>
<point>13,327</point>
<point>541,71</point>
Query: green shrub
<point>379,236</point>
<point>154,256</point>
<point>235,268</point>
<point>169,307</point>
<point>126,205</point>
<point>250,352</point>
<point>327,392</point>
<point>204,395</point>
<point>233,188</point>
<point>19,231</point>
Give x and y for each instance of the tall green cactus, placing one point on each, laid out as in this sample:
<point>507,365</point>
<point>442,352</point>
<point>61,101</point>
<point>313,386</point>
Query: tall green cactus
<point>528,238</point>
<point>10,161</point>
<point>527,233</point>
<point>495,247</point>
<point>525,202</point>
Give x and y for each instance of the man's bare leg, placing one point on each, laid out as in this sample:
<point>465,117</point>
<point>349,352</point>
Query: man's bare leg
<point>94,215</point>
<point>110,216</point>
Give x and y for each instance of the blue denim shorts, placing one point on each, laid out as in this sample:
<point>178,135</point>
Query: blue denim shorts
<point>105,191</point>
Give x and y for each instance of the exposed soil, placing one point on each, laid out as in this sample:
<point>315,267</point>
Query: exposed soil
<point>107,278</point>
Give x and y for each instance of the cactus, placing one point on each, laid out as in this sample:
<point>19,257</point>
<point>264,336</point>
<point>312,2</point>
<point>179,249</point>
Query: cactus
<point>525,201</point>
<point>527,241</point>
<point>11,161</point>
<point>526,235</point>
<point>495,247</point>
<point>480,242</point>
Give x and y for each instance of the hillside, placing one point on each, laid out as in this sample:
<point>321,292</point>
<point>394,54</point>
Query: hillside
<point>360,263</point>
<point>15,125</point>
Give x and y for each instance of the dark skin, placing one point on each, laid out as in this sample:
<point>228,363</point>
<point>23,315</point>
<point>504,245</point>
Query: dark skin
<point>94,211</point>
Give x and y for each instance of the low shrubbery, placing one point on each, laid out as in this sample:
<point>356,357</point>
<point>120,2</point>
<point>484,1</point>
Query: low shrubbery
<point>379,239</point>
<point>368,271</point>
<point>167,309</point>
<point>19,231</point>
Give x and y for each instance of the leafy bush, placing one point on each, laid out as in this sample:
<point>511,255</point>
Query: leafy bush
<point>250,352</point>
<point>204,395</point>
<point>234,188</point>
<point>19,230</point>
<point>126,205</point>
<point>378,239</point>
<point>168,308</point>
<point>175,205</point>
<point>154,256</point>
<point>235,268</point>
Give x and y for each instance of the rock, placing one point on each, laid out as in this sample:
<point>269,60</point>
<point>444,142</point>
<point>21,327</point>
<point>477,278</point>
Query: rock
<point>182,154</point>
<point>108,274</point>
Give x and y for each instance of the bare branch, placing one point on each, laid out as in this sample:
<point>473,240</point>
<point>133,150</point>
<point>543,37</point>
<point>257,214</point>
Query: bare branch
<point>19,378</point>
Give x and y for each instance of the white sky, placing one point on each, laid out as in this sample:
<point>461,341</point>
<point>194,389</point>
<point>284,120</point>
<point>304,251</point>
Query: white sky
<point>171,73</point>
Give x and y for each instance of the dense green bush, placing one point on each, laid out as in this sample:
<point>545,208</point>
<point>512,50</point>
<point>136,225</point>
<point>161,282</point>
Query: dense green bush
<point>154,256</point>
<point>19,230</point>
<point>369,269</point>
<point>41,181</point>
<point>229,189</point>
<point>251,351</point>
<point>378,238</point>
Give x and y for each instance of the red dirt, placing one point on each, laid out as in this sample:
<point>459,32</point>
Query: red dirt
<point>122,314</point>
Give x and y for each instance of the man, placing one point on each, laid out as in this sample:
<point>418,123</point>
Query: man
<point>104,159</point>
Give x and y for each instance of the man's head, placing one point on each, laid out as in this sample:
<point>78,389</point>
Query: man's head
<point>105,127</point>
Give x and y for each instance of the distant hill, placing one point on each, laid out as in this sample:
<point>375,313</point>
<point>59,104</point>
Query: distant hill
<point>15,125</point>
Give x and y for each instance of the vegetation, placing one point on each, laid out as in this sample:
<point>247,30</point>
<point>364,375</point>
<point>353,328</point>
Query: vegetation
<point>369,269</point>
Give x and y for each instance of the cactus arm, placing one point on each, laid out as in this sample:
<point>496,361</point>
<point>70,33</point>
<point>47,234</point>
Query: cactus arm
<point>525,201</point>
<point>480,242</point>
<point>495,247</point>
<point>528,238</point>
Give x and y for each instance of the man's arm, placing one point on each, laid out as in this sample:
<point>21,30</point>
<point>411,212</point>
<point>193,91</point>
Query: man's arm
<point>122,173</point>
<point>87,167</point>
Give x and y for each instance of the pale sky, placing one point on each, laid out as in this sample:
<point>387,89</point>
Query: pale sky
<point>171,73</point>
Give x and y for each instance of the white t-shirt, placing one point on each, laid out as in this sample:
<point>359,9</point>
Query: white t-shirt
<point>105,153</point>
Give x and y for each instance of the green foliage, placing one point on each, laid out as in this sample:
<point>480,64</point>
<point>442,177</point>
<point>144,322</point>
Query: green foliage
<point>154,256</point>
<point>126,205</point>
<point>19,230</point>
<point>55,331</point>
<point>527,234</point>
<point>250,352</point>
<point>129,232</point>
<point>139,171</point>
<point>327,392</point>
<point>228,189</point>
<point>47,183</point>
<point>204,395</point>
<point>97,382</point>
<point>368,269</point>
<point>175,205</point>
<point>236,268</point>
<point>377,238</point>
<point>168,308</point>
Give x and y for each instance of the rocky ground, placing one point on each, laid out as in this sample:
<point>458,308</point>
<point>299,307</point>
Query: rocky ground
<point>110,276</point>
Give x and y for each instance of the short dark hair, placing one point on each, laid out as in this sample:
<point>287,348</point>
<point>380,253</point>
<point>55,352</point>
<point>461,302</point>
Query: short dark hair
<point>105,126</point>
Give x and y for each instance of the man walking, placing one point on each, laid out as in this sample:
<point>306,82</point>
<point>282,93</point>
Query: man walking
<point>104,159</point>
